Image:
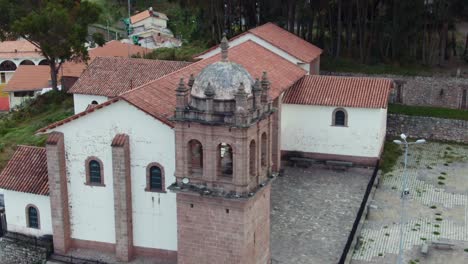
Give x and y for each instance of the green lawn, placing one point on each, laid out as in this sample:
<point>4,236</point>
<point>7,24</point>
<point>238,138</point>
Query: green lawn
<point>428,111</point>
<point>390,156</point>
<point>19,127</point>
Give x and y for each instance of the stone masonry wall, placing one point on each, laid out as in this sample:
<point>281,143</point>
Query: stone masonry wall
<point>445,92</point>
<point>428,128</point>
<point>17,252</point>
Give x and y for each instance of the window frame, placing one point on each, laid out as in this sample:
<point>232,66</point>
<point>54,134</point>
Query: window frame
<point>148,178</point>
<point>88,175</point>
<point>28,218</point>
<point>345,117</point>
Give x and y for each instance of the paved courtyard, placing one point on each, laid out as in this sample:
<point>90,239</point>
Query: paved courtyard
<point>313,211</point>
<point>437,209</point>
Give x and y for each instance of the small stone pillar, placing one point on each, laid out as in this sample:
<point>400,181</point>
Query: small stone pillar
<point>266,98</point>
<point>181,99</point>
<point>122,197</point>
<point>210,93</point>
<point>257,94</point>
<point>58,192</point>
<point>241,106</point>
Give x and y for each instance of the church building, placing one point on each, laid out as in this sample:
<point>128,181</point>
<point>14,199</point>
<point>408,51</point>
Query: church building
<point>179,168</point>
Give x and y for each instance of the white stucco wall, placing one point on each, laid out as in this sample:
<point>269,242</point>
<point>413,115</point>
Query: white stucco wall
<point>151,22</point>
<point>308,128</point>
<point>8,75</point>
<point>263,43</point>
<point>16,100</point>
<point>15,210</point>
<point>92,208</point>
<point>81,101</point>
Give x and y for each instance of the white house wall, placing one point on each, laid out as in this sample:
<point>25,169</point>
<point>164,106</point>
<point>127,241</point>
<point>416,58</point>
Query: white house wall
<point>82,101</point>
<point>263,43</point>
<point>92,208</point>
<point>8,75</point>
<point>16,101</point>
<point>308,128</point>
<point>150,21</point>
<point>15,210</point>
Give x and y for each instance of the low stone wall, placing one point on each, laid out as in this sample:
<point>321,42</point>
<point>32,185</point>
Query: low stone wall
<point>428,128</point>
<point>19,252</point>
<point>448,92</point>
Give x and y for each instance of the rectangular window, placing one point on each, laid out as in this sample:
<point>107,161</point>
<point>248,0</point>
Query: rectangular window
<point>24,94</point>
<point>2,77</point>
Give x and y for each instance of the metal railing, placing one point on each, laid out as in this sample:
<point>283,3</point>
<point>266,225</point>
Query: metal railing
<point>359,215</point>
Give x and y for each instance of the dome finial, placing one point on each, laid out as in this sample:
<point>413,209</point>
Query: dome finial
<point>224,48</point>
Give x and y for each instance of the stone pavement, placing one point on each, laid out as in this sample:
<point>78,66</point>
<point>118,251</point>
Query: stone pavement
<point>437,208</point>
<point>313,211</point>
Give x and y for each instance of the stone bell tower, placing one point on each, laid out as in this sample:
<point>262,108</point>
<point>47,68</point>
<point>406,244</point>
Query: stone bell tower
<point>223,127</point>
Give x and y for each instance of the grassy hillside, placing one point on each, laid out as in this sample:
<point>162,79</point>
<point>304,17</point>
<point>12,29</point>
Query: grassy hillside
<point>18,128</point>
<point>428,111</point>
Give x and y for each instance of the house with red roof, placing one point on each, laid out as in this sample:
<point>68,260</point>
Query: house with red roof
<point>163,161</point>
<point>335,118</point>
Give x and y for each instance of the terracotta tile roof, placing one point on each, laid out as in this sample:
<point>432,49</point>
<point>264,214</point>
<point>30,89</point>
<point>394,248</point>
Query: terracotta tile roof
<point>26,171</point>
<point>145,14</point>
<point>72,69</point>
<point>157,98</point>
<point>140,16</point>
<point>340,91</point>
<point>109,76</point>
<point>18,49</point>
<point>282,39</point>
<point>287,41</point>
<point>116,48</point>
<point>29,78</point>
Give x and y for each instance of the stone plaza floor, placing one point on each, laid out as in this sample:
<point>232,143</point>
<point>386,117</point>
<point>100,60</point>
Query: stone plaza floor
<point>437,209</point>
<point>313,211</point>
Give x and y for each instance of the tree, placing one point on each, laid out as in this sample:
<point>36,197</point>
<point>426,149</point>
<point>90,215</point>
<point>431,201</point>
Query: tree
<point>59,28</point>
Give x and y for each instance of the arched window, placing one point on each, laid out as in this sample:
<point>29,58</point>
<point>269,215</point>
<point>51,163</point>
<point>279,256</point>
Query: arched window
<point>195,157</point>
<point>27,62</point>
<point>44,62</point>
<point>94,172</point>
<point>94,102</point>
<point>253,158</point>
<point>154,178</point>
<point>225,160</point>
<point>7,66</point>
<point>340,117</point>
<point>32,216</point>
<point>264,154</point>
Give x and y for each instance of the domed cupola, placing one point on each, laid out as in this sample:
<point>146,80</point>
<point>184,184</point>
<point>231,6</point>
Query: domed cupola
<point>223,93</point>
<point>224,77</point>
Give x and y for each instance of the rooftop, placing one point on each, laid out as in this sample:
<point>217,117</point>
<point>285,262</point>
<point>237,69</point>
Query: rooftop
<point>29,78</point>
<point>115,48</point>
<point>284,40</point>
<point>112,76</point>
<point>157,98</point>
<point>145,14</point>
<point>26,171</point>
<point>18,49</point>
<point>340,91</point>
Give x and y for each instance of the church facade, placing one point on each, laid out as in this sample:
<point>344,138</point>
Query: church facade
<point>178,168</point>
